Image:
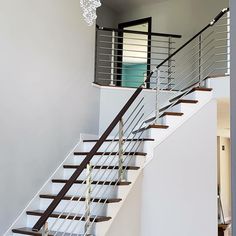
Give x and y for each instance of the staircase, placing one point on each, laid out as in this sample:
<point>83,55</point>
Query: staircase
<point>107,192</point>
<point>85,194</point>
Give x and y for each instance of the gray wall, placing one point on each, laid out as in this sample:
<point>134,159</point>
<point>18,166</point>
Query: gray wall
<point>46,97</point>
<point>233,109</point>
<point>107,17</point>
<point>184,17</point>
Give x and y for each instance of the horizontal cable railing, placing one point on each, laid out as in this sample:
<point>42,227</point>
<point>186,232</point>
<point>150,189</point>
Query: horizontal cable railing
<point>99,173</point>
<point>125,57</point>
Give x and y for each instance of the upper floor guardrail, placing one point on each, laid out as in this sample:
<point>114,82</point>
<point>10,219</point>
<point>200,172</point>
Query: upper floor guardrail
<point>125,57</point>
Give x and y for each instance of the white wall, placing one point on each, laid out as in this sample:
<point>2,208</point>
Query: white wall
<point>127,221</point>
<point>113,99</point>
<point>46,97</point>
<point>179,185</point>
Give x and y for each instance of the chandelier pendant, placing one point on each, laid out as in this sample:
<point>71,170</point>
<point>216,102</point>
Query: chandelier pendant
<point>89,8</point>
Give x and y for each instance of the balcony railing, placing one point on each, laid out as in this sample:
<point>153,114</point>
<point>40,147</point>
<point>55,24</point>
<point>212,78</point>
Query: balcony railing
<point>125,57</point>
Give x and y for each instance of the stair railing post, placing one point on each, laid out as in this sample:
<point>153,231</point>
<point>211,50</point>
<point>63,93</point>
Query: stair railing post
<point>45,231</point>
<point>88,198</point>
<point>157,108</point>
<point>112,58</point>
<point>169,63</point>
<point>228,43</point>
<point>121,176</point>
<point>200,59</point>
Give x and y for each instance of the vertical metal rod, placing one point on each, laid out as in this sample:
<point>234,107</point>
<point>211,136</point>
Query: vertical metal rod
<point>157,108</point>
<point>200,59</point>
<point>228,43</point>
<point>112,59</point>
<point>121,173</point>
<point>45,231</point>
<point>96,57</point>
<point>88,197</point>
<point>169,63</point>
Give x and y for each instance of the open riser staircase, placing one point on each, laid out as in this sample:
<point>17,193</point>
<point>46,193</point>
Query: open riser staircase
<point>105,189</point>
<point>86,192</point>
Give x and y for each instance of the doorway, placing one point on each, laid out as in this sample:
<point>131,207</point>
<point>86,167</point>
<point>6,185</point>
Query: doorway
<point>224,167</point>
<point>134,52</point>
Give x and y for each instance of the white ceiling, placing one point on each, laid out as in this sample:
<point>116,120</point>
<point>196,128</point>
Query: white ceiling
<point>121,5</point>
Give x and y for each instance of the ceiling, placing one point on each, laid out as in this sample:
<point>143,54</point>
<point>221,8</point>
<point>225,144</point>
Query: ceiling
<point>121,5</point>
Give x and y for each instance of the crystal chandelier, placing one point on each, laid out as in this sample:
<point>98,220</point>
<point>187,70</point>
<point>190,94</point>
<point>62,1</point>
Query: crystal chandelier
<point>89,10</point>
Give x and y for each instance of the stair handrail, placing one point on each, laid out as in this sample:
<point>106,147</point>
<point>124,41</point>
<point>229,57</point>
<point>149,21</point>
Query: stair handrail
<point>43,219</point>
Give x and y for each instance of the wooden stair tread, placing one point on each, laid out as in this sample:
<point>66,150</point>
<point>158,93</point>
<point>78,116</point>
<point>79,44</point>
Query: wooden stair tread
<point>70,216</point>
<point>167,113</point>
<point>111,153</point>
<point>150,127</point>
<point>116,140</point>
<point>170,113</point>
<point>202,89</point>
<point>29,231</point>
<point>179,101</point>
<point>153,126</point>
<point>112,183</point>
<point>103,167</point>
<point>187,101</point>
<point>82,199</point>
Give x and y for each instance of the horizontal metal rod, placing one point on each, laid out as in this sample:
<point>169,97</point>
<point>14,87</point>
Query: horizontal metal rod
<point>222,25</point>
<point>222,32</point>
<point>123,74</point>
<point>222,61</point>
<point>129,44</point>
<point>117,67</point>
<point>221,54</point>
<point>129,63</point>
<point>147,58</point>
<point>128,50</point>
<point>225,39</point>
<point>222,68</point>
<point>223,46</point>
<point>131,80</point>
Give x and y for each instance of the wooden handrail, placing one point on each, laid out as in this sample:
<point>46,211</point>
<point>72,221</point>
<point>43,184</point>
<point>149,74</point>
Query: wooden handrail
<point>139,32</point>
<point>42,220</point>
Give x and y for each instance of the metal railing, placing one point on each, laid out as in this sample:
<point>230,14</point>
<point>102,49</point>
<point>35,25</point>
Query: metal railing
<point>125,57</point>
<point>204,55</point>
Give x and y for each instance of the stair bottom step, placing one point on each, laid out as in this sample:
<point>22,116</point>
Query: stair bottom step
<point>28,231</point>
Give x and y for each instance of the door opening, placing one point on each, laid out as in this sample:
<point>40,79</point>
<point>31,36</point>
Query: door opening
<point>134,56</point>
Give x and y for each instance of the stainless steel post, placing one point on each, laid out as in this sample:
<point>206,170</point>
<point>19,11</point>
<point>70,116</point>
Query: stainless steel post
<point>121,173</point>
